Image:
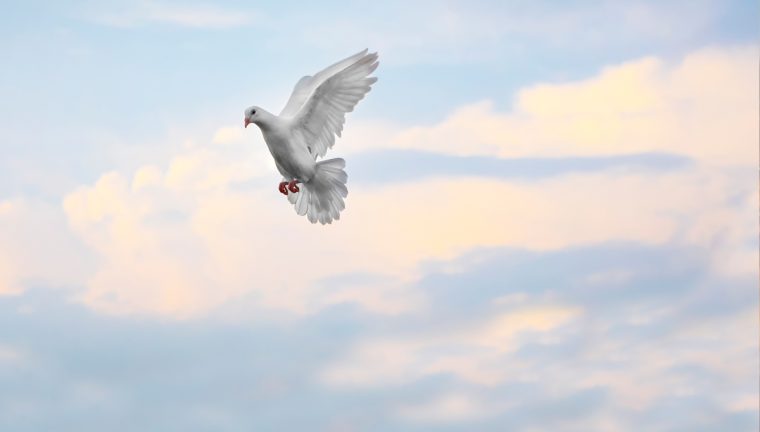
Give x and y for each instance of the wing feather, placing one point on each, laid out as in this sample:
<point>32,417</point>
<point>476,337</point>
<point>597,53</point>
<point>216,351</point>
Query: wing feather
<point>323,114</point>
<point>306,85</point>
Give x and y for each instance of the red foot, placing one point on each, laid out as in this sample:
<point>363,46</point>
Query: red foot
<point>282,188</point>
<point>292,186</point>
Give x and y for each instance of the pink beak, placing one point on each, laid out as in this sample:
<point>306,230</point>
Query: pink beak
<point>246,122</point>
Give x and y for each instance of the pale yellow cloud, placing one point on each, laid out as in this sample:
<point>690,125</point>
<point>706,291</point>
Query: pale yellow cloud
<point>229,135</point>
<point>181,242</point>
<point>218,243</point>
<point>704,107</point>
<point>147,176</point>
<point>443,218</point>
<point>208,226</point>
<point>142,266</point>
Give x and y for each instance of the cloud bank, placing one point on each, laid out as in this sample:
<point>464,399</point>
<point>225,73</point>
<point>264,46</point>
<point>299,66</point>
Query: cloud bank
<point>610,286</point>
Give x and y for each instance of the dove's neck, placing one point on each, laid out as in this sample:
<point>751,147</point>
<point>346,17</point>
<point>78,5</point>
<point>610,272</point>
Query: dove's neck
<point>265,120</point>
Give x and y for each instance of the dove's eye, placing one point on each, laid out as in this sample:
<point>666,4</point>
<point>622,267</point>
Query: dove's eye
<point>253,112</point>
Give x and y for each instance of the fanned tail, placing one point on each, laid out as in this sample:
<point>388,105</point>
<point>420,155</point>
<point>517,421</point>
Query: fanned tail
<point>321,198</point>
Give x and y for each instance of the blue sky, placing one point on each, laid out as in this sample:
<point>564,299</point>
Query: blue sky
<point>551,225</point>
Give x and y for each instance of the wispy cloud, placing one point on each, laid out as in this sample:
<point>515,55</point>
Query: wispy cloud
<point>473,31</point>
<point>194,15</point>
<point>636,343</point>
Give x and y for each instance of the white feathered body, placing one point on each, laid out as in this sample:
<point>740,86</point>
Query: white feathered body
<point>306,129</point>
<point>289,150</point>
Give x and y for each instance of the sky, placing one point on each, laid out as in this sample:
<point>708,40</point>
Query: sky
<point>552,219</point>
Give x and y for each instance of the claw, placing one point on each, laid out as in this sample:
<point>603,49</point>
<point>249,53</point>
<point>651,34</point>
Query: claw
<point>282,187</point>
<point>293,187</point>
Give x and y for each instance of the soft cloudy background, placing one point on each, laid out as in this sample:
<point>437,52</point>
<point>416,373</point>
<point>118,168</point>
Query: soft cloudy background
<point>552,221</point>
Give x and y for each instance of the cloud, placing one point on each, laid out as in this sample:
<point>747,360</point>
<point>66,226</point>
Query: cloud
<point>206,228</point>
<point>583,257</point>
<point>544,327</point>
<point>36,248</point>
<point>166,237</point>
<point>508,339</point>
<point>448,408</point>
<point>192,16</point>
<point>471,32</point>
<point>703,107</point>
<point>413,165</point>
<point>392,362</point>
<point>187,236</point>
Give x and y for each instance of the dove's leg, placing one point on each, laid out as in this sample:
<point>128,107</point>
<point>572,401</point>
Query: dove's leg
<point>282,188</point>
<point>292,186</point>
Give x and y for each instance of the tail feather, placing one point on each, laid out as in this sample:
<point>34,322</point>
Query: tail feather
<point>321,198</point>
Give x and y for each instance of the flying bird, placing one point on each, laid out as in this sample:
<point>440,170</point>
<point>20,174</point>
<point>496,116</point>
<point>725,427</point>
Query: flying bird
<point>306,129</point>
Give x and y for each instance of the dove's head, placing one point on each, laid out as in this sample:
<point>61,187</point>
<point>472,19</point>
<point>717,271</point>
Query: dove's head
<point>252,114</point>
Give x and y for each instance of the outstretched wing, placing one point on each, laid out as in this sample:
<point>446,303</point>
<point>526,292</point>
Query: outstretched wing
<point>323,114</point>
<point>306,85</point>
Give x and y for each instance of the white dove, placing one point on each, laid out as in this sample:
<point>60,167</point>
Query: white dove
<point>306,128</point>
